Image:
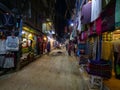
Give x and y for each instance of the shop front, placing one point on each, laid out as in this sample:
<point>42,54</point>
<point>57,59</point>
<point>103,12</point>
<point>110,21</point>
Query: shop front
<point>31,44</point>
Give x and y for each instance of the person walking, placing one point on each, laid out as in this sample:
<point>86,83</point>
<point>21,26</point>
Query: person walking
<point>69,48</point>
<point>48,48</point>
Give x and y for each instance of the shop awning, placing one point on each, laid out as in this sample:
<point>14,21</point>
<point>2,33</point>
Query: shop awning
<point>36,30</point>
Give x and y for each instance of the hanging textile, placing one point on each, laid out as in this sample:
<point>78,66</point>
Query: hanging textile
<point>81,47</point>
<point>98,25</point>
<point>96,9</point>
<point>117,14</point>
<point>2,58</point>
<point>94,48</point>
<point>91,44</point>
<point>79,21</point>
<point>86,13</point>
<point>78,4</point>
<point>2,47</point>
<point>82,27</point>
<point>92,28</point>
<point>99,47</point>
<point>108,17</point>
<point>83,36</point>
<point>107,50</point>
<point>12,43</point>
<point>9,61</point>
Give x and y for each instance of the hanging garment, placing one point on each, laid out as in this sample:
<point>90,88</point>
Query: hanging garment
<point>9,61</point>
<point>99,47</point>
<point>107,50</point>
<point>86,13</point>
<point>117,14</point>
<point>12,43</point>
<point>95,48</point>
<point>96,9</point>
<point>2,58</point>
<point>91,44</point>
<point>2,46</point>
<point>92,29</point>
<point>108,17</point>
<point>98,25</point>
<point>79,21</point>
<point>84,36</point>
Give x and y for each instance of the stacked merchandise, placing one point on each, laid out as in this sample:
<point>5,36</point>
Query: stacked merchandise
<point>100,68</point>
<point>83,60</point>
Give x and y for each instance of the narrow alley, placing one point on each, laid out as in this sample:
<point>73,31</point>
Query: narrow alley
<point>49,72</point>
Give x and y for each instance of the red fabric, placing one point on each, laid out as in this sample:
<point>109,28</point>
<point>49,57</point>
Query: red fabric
<point>98,26</point>
<point>92,28</point>
<point>39,39</point>
<point>83,36</point>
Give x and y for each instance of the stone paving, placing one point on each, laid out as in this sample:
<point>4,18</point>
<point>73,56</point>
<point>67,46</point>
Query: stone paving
<point>60,72</point>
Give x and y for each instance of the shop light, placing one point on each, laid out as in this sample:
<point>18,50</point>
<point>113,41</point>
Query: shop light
<point>48,19</point>
<point>50,39</point>
<point>71,24</point>
<point>118,30</point>
<point>45,38</point>
<point>24,39</point>
<point>23,32</point>
<point>53,32</point>
<point>30,35</point>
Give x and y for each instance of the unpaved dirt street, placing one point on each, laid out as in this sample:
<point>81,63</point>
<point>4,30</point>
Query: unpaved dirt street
<point>49,72</point>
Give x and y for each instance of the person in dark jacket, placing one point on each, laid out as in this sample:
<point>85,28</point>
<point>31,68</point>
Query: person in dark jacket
<point>48,47</point>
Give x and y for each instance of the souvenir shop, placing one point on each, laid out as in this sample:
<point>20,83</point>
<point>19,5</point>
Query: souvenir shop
<point>9,41</point>
<point>98,39</point>
<point>31,44</point>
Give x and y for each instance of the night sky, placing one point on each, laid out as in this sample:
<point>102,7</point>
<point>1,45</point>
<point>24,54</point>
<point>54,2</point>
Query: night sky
<point>61,17</point>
